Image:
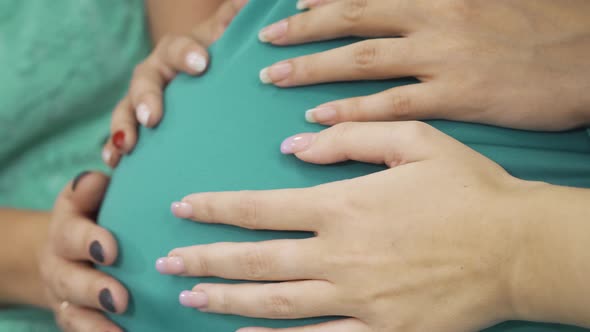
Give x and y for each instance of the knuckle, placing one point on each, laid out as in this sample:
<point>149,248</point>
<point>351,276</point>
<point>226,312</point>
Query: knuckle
<point>342,130</point>
<point>401,106</point>
<point>354,10</point>
<point>248,211</point>
<point>255,263</point>
<point>365,55</point>
<point>203,266</point>
<point>279,306</point>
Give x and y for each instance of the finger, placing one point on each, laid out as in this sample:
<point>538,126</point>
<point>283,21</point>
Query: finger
<point>310,4</point>
<point>288,300</point>
<point>345,18</point>
<point>286,209</point>
<point>71,318</point>
<point>84,286</point>
<point>228,11</point>
<point>216,25</point>
<point>408,102</point>
<point>393,143</point>
<point>277,260</point>
<point>111,155</point>
<point>374,59</point>
<point>348,325</point>
<point>172,55</point>
<point>83,195</point>
<point>123,129</point>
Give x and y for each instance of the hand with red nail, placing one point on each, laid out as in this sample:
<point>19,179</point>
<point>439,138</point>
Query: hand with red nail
<point>514,64</point>
<point>174,54</point>
<point>78,294</point>
<point>444,240</point>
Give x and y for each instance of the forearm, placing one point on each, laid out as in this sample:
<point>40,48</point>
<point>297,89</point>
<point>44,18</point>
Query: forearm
<point>553,268</point>
<point>178,16</point>
<point>23,234</point>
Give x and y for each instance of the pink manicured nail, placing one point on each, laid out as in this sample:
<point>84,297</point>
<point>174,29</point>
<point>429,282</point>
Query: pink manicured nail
<point>276,73</point>
<point>273,31</point>
<point>297,143</point>
<point>320,114</point>
<point>196,299</point>
<point>170,265</point>
<point>182,210</point>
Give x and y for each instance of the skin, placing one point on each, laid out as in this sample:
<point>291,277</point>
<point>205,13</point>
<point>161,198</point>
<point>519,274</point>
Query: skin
<point>445,240</point>
<point>506,63</point>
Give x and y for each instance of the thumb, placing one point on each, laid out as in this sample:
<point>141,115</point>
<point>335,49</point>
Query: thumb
<point>84,194</point>
<point>393,143</point>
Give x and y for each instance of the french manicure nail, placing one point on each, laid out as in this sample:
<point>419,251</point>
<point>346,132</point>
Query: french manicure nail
<point>143,114</point>
<point>276,73</point>
<point>170,265</point>
<point>297,143</point>
<point>119,139</point>
<point>273,31</point>
<point>195,299</point>
<point>320,114</point>
<point>196,62</point>
<point>106,155</point>
<point>182,210</point>
<point>96,251</point>
<point>78,178</point>
<point>106,300</point>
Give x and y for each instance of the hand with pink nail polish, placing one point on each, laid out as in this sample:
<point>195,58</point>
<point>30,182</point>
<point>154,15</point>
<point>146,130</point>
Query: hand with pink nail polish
<point>490,62</point>
<point>444,240</point>
<point>174,53</point>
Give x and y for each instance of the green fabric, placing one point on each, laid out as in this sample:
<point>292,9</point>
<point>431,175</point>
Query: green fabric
<point>223,131</point>
<point>65,64</point>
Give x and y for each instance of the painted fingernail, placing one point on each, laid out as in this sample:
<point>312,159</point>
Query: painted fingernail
<point>106,155</point>
<point>106,300</point>
<point>78,178</point>
<point>194,299</point>
<point>273,31</point>
<point>96,251</point>
<point>119,139</point>
<point>297,143</point>
<point>276,73</point>
<point>170,265</point>
<point>182,210</point>
<point>143,114</point>
<point>196,62</point>
<point>305,4</point>
<point>320,114</point>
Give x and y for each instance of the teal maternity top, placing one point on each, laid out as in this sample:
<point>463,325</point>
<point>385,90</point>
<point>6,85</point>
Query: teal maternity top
<point>65,64</point>
<point>222,132</point>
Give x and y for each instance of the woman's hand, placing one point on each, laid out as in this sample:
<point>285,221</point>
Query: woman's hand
<point>516,64</point>
<point>172,55</point>
<point>77,292</point>
<point>431,244</point>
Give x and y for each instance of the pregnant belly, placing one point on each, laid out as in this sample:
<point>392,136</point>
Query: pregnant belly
<point>222,132</point>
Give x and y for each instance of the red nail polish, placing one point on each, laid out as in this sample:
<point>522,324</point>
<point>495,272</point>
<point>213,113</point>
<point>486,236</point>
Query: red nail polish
<point>119,139</point>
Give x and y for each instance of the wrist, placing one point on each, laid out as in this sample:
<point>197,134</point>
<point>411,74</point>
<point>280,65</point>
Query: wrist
<point>551,266</point>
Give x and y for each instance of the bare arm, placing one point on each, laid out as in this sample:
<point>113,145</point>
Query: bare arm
<point>178,16</point>
<point>23,234</point>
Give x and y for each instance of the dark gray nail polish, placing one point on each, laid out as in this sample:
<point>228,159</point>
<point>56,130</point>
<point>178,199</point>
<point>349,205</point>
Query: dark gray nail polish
<point>106,300</point>
<point>78,178</point>
<point>96,251</point>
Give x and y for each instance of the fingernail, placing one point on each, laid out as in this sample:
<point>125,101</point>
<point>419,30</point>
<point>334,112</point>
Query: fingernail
<point>195,299</point>
<point>106,155</point>
<point>196,61</point>
<point>297,143</point>
<point>170,265</point>
<point>119,139</point>
<point>143,114</point>
<point>78,178</point>
<point>305,4</point>
<point>320,114</point>
<point>276,73</point>
<point>182,210</point>
<point>96,251</point>
<point>273,31</point>
<point>106,300</point>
